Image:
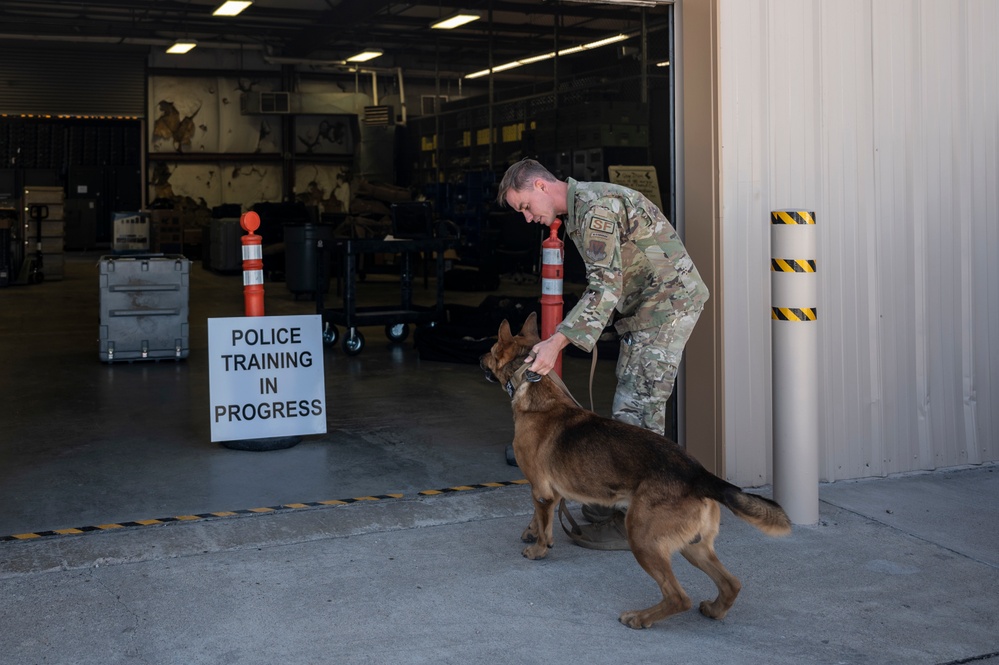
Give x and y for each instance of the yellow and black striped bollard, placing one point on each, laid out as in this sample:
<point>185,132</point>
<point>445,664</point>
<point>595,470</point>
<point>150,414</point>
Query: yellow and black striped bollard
<point>794,329</point>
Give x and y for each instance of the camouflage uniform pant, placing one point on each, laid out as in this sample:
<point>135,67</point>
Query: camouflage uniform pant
<point>646,371</point>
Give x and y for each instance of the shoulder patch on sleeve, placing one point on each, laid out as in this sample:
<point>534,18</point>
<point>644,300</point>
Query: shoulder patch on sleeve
<point>602,224</point>
<point>600,236</point>
<point>598,252</point>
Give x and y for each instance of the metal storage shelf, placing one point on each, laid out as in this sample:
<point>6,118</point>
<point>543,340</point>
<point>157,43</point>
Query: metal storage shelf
<point>395,319</point>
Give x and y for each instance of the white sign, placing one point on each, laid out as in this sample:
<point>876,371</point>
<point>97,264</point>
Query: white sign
<point>640,178</point>
<point>266,377</point>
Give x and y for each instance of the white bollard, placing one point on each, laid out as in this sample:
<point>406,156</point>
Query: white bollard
<point>793,295</point>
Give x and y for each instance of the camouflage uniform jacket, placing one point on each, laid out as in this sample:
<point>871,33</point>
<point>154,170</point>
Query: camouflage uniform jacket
<point>635,263</point>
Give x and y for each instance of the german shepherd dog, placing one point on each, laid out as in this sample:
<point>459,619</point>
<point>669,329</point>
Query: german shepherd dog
<point>672,501</point>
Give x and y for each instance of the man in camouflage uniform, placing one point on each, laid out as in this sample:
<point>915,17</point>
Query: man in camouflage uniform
<point>635,264</point>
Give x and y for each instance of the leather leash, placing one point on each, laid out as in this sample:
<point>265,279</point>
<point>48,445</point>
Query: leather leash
<point>593,371</point>
<point>524,374</point>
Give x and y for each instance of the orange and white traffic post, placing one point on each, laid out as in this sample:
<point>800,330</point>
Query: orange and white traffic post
<point>253,265</point>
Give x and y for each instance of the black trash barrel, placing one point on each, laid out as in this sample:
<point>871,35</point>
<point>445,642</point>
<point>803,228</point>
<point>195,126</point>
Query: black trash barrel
<point>300,254</point>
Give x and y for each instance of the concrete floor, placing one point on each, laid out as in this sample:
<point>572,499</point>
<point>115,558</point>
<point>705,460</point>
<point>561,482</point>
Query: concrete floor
<point>897,571</point>
<point>85,443</point>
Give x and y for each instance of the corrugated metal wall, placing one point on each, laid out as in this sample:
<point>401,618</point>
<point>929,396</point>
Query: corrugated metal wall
<point>882,116</point>
<point>55,79</point>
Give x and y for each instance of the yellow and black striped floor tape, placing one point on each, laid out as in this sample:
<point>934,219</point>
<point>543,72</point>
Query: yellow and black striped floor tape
<point>283,508</point>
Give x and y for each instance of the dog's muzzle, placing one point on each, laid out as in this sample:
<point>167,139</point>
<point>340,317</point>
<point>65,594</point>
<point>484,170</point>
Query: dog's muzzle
<point>490,377</point>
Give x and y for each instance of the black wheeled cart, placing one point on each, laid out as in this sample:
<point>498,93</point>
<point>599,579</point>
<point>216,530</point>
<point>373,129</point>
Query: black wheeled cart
<point>396,319</point>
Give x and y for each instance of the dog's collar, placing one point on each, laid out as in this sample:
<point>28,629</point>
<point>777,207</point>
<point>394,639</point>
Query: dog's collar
<point>519,377</point>
<point>524,374</point>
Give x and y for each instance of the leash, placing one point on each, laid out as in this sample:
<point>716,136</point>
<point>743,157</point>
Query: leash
<point>573,530</point>
<point>524,374</point>
<point>593,371</point>
<point>557,380</point>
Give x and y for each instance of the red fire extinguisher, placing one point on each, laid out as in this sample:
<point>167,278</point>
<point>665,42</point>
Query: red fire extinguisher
<point>253,265</point>
<point>552,254</point>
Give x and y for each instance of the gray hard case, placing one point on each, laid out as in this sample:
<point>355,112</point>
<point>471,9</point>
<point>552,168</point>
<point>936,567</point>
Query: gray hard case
<point>144,307</point>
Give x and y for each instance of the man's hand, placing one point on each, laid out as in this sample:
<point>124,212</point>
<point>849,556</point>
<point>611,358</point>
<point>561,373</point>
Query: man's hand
<point>544,354</point>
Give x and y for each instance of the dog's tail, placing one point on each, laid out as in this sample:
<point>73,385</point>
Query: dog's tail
<point>764,514</point>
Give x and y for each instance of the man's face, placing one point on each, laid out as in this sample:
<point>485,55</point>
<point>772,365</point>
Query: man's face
<point>535,203</point>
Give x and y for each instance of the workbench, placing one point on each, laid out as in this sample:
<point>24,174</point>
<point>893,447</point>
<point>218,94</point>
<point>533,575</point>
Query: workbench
<point>396,319</point>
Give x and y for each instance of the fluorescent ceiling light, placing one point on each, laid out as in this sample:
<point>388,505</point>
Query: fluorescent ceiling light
<point>547,56</point>
<point>506,66</point>
<point>537,58</point>
<point>231,7</point>
<point>664,63</point>
<point>604,42</point>
<point>634,3</point>
<point>182,46</point>
<point>455,21</point>
<point>365,55</point>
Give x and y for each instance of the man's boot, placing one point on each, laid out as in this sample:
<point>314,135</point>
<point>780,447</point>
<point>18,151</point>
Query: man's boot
<point>594,513</point>
<point>608,533</point>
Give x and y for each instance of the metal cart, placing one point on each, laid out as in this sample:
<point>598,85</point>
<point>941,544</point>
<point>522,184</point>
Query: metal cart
<point>396,319</point>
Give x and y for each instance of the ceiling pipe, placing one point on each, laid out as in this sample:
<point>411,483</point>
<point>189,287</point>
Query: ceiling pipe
<point>128,41</point>
<point>374,83</point>
<point>278,60</point>
<point>402,96</point>
<point>347,67</point>
<point>338,65</point>
<point>235,46</point>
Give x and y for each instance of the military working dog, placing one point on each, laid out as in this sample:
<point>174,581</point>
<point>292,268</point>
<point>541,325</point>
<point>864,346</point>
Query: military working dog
<point>672,501</point>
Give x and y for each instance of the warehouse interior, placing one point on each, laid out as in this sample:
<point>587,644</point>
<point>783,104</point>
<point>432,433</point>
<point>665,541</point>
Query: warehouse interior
<point>113,149</point>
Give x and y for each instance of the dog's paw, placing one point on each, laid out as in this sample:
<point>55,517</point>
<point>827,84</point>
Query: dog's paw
<point>535,551</point>
<point>713,610</point>
<point>636,619</point>
<point>529,535</point>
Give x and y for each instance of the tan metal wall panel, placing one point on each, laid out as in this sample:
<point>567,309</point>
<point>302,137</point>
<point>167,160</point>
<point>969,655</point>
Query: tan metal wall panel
<point>746,257</point>
<point>881,117</point>
<point>848,267</point>
<point>981,412</point>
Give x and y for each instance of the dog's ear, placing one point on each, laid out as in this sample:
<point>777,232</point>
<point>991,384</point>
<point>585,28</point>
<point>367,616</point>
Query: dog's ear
<point>504,332</point>
<point>530,327</point>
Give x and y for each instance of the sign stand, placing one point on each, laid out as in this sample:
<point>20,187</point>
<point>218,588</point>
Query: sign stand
<point>256,359</point>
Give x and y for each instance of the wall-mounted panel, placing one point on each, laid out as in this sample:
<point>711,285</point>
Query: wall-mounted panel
<point>201,115</point>
<point>209,184</point>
